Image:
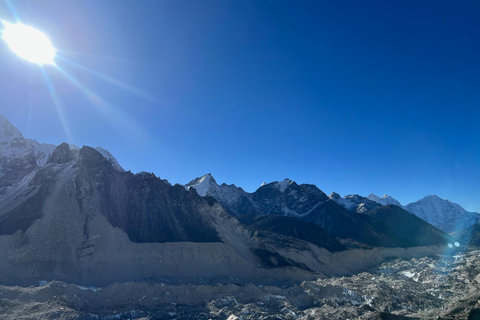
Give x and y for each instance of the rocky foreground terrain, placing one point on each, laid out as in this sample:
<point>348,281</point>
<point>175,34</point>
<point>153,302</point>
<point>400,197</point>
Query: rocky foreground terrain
<point>437,287</point>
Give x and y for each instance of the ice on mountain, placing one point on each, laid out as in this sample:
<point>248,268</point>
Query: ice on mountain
<point>342,201</point>
<point>282,185</point>
<point>384,200</point>
<point>203,185</point>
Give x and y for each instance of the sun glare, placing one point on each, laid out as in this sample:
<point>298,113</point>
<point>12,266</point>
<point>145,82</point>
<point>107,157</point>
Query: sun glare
<point>29,43</point>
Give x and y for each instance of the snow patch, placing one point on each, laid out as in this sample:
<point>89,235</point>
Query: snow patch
<point>203,185</point>
<point>384,200</point>
<point>89,288</point>
<point>282,185</point>
<point>408,274</point>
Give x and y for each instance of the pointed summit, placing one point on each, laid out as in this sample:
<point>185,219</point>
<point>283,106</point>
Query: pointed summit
<point>203,185</point>
<point>18,156</point>
<point>9,134</point>
<point>14,145</point>
<point>334,196</point>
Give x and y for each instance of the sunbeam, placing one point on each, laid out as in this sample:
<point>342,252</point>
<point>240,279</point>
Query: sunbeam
<point>58,106</point>
<point>94,98</point>
<point>98,57</point>
<point>115,116</point>
<point>109,79</point>
<point>12,10</point>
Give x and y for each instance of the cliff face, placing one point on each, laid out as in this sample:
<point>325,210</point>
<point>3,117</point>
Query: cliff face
<point>145,207</point>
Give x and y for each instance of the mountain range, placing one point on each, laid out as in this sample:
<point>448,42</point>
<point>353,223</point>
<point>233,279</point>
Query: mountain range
<point>73,214</point>
<point>441,213</point>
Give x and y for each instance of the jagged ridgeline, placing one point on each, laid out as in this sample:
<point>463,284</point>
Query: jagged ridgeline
<point>73,214</point>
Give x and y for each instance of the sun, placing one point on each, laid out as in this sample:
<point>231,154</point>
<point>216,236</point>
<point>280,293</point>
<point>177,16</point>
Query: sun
<point>29,43</point>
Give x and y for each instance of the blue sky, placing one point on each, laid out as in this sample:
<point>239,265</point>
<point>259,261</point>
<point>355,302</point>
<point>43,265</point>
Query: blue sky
<point>353,96</point>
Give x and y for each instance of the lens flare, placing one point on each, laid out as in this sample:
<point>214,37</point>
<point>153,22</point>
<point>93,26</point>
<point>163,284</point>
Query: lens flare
<point>28,43</point>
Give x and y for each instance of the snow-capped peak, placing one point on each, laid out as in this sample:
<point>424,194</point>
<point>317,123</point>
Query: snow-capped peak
<point>202,185</point>
<point>8,132</point>
<point>385,200</point>
<point>443,214</point>
<point>41,150</point>
<point>343,201</point>
<point>354,202</point>
<point>14,146</point>
<point>282,185</point>
<point>437,203</point>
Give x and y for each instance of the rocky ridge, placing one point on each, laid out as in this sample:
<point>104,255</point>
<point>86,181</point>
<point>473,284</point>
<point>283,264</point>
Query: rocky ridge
<point>443,214</point>
<point>352,217</point>
<point>384,200</point>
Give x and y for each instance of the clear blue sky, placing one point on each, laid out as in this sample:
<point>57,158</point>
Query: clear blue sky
<point>353,96</point>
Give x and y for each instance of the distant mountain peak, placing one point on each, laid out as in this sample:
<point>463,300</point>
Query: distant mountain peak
<point>334,196</point>
<point>203,185</point>
<point>432,196</point>
<point>354,202</point>
<point>14,146</point>
<point>384,200</point>
<point>9,134</point>
<point>443,213</point>
<point>437,201</point>
<point>280,185</point>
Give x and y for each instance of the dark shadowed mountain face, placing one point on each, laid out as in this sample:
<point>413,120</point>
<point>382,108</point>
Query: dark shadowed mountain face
<point>295,228</point>
<point>346,224</point>
<point>147,208</point>
<point>287,198</point>
<point>277,198</point>
<point>469,236</point>
<point>405,229</point>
